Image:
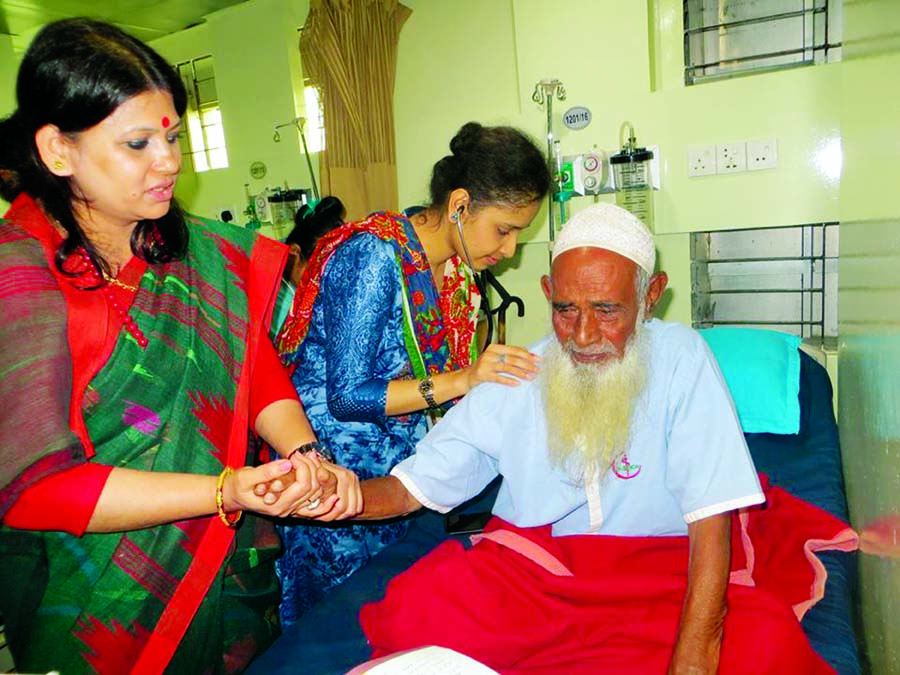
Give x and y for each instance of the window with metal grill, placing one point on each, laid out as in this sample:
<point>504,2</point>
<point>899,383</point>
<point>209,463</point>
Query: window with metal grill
<point>203,140</point>
<point>782,278</point>
<point>724,38</point>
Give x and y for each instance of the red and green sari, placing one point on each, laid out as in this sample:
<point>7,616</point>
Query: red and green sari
<point>171,598</point>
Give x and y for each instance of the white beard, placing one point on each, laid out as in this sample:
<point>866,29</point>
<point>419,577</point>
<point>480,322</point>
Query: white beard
<point>588,407</point>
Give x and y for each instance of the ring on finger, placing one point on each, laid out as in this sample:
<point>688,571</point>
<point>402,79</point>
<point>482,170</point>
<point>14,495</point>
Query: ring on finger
<point>501,358</point>
<point>312,504</point>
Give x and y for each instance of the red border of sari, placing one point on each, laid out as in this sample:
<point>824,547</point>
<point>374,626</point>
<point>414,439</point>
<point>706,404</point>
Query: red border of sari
<point>266,255</point>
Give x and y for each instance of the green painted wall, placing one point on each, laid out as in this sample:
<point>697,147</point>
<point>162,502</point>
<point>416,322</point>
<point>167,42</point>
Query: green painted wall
<point>869,319</point>
<point>257,65</point>
<point>480,59</point>
<point>8,66</point>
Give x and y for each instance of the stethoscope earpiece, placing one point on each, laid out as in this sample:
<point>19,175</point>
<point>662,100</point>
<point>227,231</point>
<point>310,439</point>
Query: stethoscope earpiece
<point>455,217</point>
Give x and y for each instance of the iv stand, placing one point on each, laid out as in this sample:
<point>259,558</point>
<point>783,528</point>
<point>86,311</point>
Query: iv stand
<point>300,122</point>
<point>544,93</point>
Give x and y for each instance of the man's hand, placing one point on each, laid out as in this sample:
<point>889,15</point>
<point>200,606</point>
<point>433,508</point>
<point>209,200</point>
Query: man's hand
<point>294,485</point>
<point>334,491</point>
<point>300,467</point>
<point>341,495</point>
<point>697,654</point>
<point>699,639</point>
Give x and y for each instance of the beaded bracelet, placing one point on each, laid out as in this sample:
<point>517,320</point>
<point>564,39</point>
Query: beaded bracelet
<point>228,519</point>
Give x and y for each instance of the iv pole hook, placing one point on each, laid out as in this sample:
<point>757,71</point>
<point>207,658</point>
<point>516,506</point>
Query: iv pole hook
<point>544,93</point>
<point>300,122</point>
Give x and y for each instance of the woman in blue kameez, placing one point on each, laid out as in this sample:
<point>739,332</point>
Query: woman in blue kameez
<point>383,330</point>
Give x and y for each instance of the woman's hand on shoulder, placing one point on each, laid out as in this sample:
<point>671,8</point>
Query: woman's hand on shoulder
<point>498,363</point>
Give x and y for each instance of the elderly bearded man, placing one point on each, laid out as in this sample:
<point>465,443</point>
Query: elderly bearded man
<point>627,442</point>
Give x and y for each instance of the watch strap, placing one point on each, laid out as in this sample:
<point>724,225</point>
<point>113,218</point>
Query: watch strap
<point>426,389</point>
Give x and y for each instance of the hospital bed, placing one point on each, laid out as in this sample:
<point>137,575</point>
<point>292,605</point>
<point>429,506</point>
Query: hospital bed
<point>329,641</point>
<point>808,465</point>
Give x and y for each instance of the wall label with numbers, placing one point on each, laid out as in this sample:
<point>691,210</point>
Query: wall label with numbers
<point>577,118</point>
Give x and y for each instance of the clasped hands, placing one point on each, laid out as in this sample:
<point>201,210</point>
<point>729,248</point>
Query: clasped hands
<point>304,486</point>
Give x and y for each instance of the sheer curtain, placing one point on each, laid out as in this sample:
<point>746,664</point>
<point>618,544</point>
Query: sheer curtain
<point>349,51</point>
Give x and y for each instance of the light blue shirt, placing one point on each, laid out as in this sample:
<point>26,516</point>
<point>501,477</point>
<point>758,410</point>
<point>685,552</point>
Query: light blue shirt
<point>687,459</point>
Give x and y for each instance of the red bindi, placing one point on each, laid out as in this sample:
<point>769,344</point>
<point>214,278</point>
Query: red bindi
<point>166,122</point>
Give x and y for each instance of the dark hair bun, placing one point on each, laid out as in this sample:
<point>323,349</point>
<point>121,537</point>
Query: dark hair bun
<point>329,210</point>
<point>466,139</point>
<point>311,223</point>
<point>495,165</point>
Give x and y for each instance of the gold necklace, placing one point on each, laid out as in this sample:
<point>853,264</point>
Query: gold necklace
<point>112,281</point>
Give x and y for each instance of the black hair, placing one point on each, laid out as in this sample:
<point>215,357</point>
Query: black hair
<point>74,75</point>
<point>311,223</point>
<point>495,165</point>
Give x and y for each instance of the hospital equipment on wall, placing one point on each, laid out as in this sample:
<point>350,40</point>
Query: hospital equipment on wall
<point>632,173</point>
<point>631,176</point>
<point>299,123</point>
<point>274,207</point>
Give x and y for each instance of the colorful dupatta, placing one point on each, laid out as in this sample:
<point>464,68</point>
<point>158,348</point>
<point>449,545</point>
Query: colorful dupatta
<point>438,327</point>
<point>163,597</point>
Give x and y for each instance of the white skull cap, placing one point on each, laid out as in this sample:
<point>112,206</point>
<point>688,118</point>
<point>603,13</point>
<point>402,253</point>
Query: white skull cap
<point>609,227</point>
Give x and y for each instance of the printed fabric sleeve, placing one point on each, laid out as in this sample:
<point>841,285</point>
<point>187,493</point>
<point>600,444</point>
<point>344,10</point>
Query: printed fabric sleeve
<point>270,380</point>
<point>36,387</point>
<point>359,288</point>
<point>709,468</point>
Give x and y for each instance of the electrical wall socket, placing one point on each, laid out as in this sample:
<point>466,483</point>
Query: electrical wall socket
<point>701,160</point>
<point>762,153</point>
<point>731,157</point>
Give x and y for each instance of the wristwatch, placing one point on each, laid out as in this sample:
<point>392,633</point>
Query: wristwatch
<point>426,388</point>
<point>314,447</point>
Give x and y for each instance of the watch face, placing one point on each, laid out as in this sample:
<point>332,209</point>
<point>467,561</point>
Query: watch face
<point>426,387</point>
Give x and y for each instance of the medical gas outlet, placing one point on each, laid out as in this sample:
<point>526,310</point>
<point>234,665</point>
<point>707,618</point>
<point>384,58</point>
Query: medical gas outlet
<point>586,174</point>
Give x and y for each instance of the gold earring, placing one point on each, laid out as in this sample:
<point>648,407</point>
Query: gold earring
<point>58,164</point>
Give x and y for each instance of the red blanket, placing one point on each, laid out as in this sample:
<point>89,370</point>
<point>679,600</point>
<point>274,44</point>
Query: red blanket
<point>524,602</point>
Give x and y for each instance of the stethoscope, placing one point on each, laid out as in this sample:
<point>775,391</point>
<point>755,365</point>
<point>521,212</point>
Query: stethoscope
<point>479,282</point>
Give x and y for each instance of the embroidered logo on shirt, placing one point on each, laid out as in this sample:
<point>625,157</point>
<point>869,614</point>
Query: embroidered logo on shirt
<point>625,469</point>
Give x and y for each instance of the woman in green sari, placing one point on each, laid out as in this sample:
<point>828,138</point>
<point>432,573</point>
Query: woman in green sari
<point>135,358</point>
